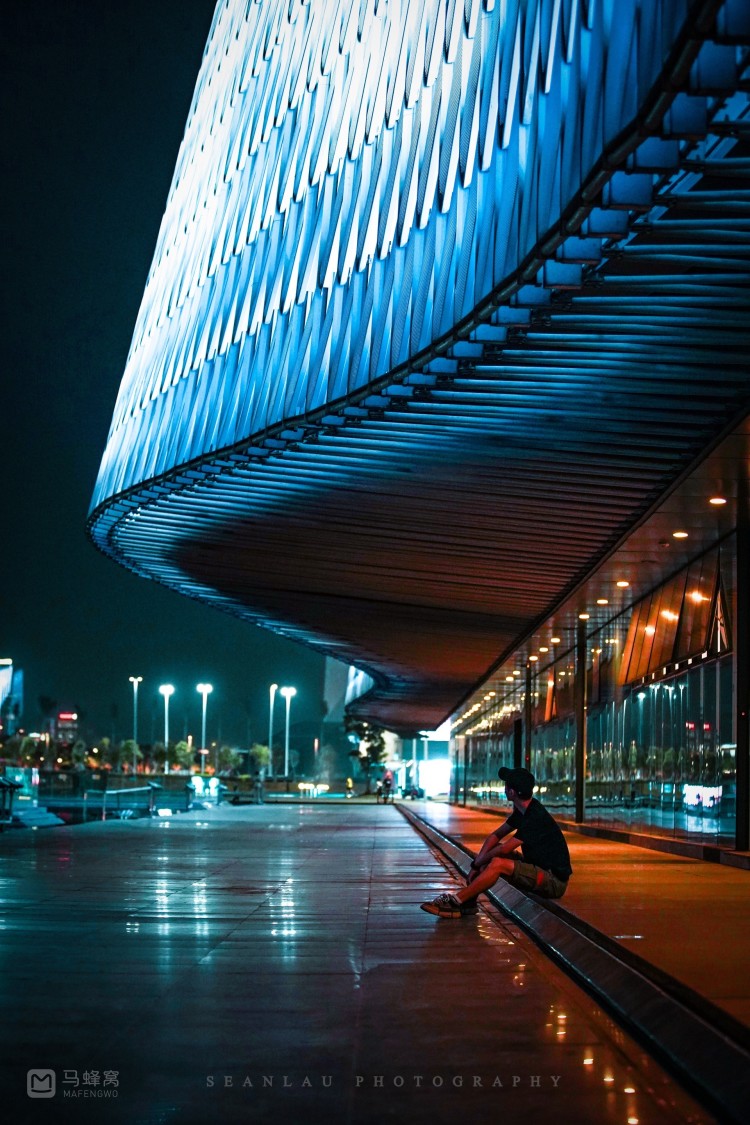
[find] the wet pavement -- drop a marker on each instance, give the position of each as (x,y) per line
(688,917)
(271,963)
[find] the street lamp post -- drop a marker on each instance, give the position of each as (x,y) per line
(166,690)
(273,689)
(135,680)
(205,690)
(287,692)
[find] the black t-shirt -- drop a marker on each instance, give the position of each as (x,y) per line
(543,844)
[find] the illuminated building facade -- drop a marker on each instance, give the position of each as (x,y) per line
(11,697)
(446,301)
(624,701)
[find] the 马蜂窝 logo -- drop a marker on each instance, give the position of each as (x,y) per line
(40,1083)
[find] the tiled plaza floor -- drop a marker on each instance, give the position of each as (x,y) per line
(271,964)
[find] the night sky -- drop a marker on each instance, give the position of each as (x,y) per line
(94,101)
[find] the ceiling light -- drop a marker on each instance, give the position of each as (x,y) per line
(543,648)
(602,601)
(554,640)
(679,535)
(533,658)
(717,500)
(623,584)
(583,616)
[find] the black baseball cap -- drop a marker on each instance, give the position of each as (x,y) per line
(521,780)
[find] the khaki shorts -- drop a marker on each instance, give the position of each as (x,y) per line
(528,877)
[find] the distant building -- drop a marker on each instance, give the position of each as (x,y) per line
(11,697)
(66,726)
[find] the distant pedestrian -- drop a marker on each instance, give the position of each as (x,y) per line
(258,788)
(543,866)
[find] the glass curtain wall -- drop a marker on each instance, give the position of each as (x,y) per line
(660,742)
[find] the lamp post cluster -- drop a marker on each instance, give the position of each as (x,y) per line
(167,691)
(288,693)
(204,690)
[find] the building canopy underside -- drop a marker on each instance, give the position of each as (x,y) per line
(414,472)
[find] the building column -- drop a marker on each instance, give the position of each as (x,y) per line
(465,757)
(742,668)
(580,702)
(527,713)
(517,743)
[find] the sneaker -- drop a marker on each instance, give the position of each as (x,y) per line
(445,906)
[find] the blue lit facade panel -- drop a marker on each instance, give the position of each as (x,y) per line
(356,181)
(445,298)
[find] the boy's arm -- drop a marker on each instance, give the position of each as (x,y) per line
(496,844)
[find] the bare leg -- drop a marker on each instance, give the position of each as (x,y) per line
(486,878)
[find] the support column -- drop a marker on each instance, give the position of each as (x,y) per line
(580,699)
(742,667)
(517,743)
(527,712)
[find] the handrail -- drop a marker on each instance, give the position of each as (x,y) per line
(150,788)
(8,789)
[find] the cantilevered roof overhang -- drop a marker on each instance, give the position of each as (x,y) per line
(420,522)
